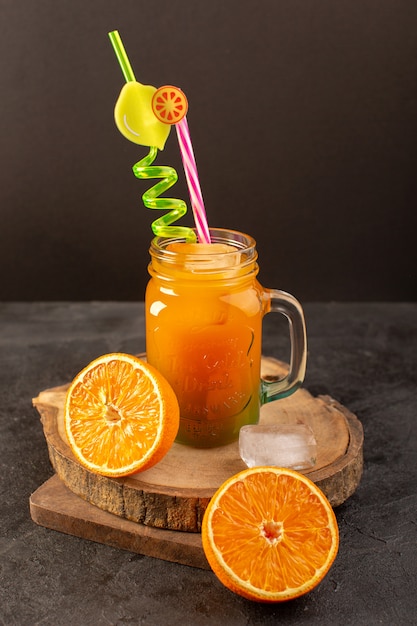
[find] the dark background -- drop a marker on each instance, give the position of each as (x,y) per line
(303,116)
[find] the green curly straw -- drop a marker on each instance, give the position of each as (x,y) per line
(122,57)
(161,227)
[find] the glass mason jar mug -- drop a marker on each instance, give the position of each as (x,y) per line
(204,311)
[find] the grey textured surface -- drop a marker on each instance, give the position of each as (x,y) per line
(364,355)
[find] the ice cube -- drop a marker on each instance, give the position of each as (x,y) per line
(284,445)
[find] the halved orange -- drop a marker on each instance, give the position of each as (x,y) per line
(270,534)
(169,104)
(121,416)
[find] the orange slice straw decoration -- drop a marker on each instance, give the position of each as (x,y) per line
(169,104)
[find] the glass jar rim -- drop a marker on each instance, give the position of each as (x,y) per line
(235,238)
(210,262)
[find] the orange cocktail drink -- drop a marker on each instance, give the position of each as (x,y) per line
(204,310)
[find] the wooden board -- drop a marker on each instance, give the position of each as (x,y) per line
(54,506)
(174,494)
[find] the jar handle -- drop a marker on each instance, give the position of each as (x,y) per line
(273,388)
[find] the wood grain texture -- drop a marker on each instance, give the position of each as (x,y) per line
(55,506)
(174,494)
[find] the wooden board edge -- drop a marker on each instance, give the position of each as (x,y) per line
(152,508)
(56,507)
(349,468)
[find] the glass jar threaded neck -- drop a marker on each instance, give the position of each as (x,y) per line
(230,256)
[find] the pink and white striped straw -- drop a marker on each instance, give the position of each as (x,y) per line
(193,182)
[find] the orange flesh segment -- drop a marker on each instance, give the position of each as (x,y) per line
(121,416)
(270,536)
(283,567)
(121,410)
